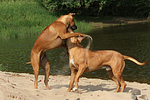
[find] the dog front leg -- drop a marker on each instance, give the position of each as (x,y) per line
(73,74)
(81,70)
(69,35)
(70,30)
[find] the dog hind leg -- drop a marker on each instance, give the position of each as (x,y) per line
(111,75)
(118,75)
(123,84)
(35,65)
(44,63)
(36,72)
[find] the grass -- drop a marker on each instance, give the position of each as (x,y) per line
(22,18)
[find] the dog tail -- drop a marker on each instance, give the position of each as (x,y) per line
(89,42)
(28,63)
(134,60)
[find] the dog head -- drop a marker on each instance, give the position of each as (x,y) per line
(71,24)
(77,40)
(68,20)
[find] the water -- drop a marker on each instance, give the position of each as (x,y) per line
(131,40)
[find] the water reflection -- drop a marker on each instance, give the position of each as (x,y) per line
(131,40)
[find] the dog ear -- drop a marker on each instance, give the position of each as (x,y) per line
(80,38)
(71,14)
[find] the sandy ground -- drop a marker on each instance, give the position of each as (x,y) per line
(19,86)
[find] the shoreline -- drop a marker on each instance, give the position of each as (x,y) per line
(117,21)
(20,86)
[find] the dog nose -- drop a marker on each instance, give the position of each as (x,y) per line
(74,27)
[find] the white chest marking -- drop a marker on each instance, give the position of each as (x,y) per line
(106,67)
(72,62)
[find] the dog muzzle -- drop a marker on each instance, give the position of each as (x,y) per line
(74,27)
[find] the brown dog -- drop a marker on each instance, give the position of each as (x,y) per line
(51,37)
(84,60)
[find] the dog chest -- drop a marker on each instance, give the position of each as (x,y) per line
(72,62)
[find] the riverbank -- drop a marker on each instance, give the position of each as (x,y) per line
(115,21)
(19,86)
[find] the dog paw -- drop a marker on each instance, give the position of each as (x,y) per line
(74,89)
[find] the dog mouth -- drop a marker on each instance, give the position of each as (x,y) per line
(74,27)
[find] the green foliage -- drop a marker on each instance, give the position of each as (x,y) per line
(128,7)
(100,7)
(21,18)
(3,68)
(78,6)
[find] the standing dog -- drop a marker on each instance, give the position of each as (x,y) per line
(51,37)
(84,60)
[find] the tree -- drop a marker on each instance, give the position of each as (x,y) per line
(99,7)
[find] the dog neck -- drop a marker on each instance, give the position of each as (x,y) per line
(64,19)
(71,45)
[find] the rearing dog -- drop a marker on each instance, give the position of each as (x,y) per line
(51,37)
(84,60)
